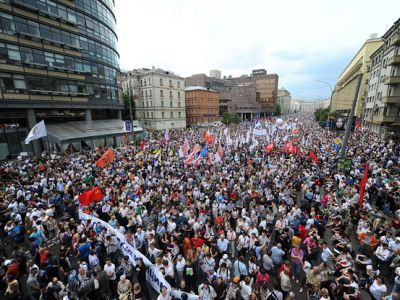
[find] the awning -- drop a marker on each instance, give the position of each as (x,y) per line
(70,132)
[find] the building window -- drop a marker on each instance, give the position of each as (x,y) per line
(172,114)
(150,93)
(170,94)
(179,104)
(162,115)
(145,92)
(161,82)
(170,103)
(149,81)
(179,94)
(161,93)
(141,82)
(179,84)
(179,114)
(170,83)
(145,84)
(151,115)
(162,103)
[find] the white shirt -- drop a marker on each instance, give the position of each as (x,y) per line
(110,269)
(377,291)
(245,290)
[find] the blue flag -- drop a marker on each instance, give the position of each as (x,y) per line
(204,151)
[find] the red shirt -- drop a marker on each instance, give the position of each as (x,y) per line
(13,270)
(302,232)
(197,242)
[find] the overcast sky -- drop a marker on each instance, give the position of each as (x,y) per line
(302,41)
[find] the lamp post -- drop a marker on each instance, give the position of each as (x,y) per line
(330,100)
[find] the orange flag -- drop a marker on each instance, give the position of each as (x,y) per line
(363,183)
(106,158)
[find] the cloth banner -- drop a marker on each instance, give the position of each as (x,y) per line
(153,276)
(259,131)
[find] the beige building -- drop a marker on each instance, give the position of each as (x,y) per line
(343,94)
(160,98)
(382,108)
(284,100)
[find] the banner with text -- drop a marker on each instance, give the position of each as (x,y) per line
(153,276)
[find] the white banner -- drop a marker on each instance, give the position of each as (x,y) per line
(153,276)
(259,131)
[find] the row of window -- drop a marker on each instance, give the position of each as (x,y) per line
(144,82)
(9,52)
(96,8)
(90,26)
(15,83)
(150,114)
(162,104)
(11,25)
(145,94)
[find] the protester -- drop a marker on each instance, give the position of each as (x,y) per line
(256,210)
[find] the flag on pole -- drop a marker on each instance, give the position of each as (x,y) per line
(210,158)
(219,154)
(269,147)
(208,137)
(166,135)
(190,158)
(126,138)
(90,196)
(142,144)
(313,157)
(37,131)
(363,183)
(106,158)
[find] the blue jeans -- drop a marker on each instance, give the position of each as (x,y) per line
(296,270)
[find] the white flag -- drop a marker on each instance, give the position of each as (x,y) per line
(166,135)
(37,131)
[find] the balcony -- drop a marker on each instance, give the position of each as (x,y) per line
(394,61)
(396,40)
(391,99)
(392,80)
(384,119)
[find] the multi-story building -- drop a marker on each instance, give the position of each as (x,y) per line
(266,89)
(58,62)
(160,98)
(343,94)
(308,106)
(237,94)
(382,108)
(202,105)
(284,100)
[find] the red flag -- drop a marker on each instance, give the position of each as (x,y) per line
(90,196)
(126,138)
(208,137)
(142,144)
(106,158)
(269,147)
(219,154)
(313,157)
(362,185)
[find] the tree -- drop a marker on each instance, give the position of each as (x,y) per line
(128,104)
(278,110)
(230,118)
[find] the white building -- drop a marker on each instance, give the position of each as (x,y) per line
(159,98)
(308,106)
(284,100)
(381,113)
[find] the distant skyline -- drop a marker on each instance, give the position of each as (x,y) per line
(301,41)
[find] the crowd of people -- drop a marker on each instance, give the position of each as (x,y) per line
(255,224)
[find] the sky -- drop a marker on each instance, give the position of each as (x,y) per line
(304,42)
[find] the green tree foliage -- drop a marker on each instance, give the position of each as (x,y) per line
(321,115)
(228,118)
(278,110)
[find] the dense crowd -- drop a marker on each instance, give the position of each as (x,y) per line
(257,224)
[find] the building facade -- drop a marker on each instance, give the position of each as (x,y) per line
(202,105)
(160,98)
(284,100)
(250,96)
(382,108)
(343,93)
(58,62)
(266,89)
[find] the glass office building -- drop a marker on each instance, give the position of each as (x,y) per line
(58,62)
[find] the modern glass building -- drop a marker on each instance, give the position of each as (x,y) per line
(58,62)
